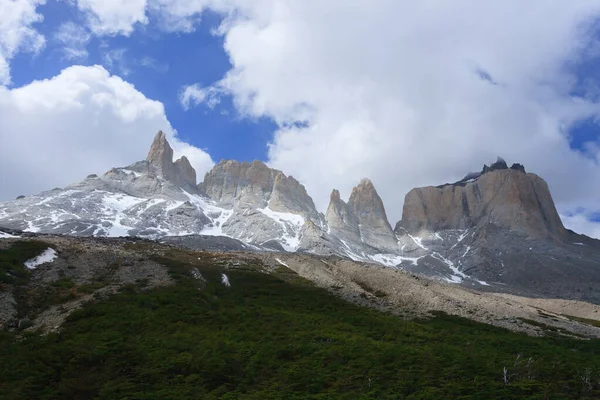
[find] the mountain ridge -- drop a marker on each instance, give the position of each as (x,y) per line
(458,233)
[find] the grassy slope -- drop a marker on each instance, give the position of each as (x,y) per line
(12,268)
(278,337)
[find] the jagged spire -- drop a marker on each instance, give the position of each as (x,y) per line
(161,154)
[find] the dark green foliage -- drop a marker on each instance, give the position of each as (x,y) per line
(64,283)
(269,338)
(12,260)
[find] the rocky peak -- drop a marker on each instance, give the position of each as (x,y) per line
(508,198)
(335,196)
(161,154)
(160,157)
(290,195)
(341,219)
(362,219)
(500,164)
(370,213)
(255,185)
(234,183)
(185,174)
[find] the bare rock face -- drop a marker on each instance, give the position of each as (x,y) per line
(161,155)
(362,219)
(185,174)
(266,204)
(160,159)
(370,213)
(232,183)
(289,195)
(341,218)
(255,185)
(508,198)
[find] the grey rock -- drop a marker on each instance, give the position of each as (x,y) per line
(506,197)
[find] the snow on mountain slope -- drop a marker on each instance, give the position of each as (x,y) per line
(457,239)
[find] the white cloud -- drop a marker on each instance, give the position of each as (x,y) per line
(82,121)
(406,93)
(115,60)
(192,95)
(113,17)
(74,40)
(17,33)
(414,93)
(581,223)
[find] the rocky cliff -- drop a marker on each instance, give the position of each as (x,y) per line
(506,197)
(497,228)
(362,219)
(160,159)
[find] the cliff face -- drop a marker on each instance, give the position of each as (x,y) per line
(508,198)
(253,184)
(160,158)
(362,219)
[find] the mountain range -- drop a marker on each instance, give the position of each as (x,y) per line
(496,230)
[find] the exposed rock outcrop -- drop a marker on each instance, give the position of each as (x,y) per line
(266,204)
(160,155)
(509,198)
(160,158)
(362,219)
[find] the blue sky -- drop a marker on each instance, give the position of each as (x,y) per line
(405,94)
(159,65)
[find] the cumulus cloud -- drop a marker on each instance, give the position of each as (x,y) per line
(112,17)
(17,33)
(406,93)
(193,95)
(82,121)
(415,93)
(74,40)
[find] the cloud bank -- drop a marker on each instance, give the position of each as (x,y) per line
(406,93)
(82,121)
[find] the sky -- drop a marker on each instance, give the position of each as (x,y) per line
(405,93)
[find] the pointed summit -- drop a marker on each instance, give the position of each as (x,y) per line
(335,196)
(180,172)
(370,212)
(362,219)
(161,155)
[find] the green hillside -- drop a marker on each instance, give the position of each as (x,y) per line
(278,337)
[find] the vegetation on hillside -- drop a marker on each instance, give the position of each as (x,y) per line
(278,337)
(12,260)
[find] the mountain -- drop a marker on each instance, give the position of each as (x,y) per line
(497,229)
(500,226)
(508,198)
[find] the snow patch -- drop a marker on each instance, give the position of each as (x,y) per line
(461,237)
(580,244)
(209,209)
(458,274)
(292,225)
(466,251)
(130,172)
(225,280)
(350,253)
(115,205)
(4,235)
(196,274)
(391,260)
(47,255)
(281,262)
(418,241)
